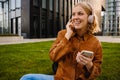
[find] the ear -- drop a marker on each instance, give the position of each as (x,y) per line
(91,19)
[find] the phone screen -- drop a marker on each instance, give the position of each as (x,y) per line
(87,53)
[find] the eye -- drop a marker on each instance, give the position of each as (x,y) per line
(80,13)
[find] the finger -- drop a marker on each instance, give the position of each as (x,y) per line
(81,62)
(71,27)
(79,53)
(77,59)
(86,58)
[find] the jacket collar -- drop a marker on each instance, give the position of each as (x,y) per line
(85,37)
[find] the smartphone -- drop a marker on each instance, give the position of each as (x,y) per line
(87,53)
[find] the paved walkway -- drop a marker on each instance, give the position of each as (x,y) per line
(101,38)
(112,39)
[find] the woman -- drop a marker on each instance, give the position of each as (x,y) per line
(78,36)
(68,48)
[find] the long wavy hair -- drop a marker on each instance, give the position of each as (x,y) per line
(92,27)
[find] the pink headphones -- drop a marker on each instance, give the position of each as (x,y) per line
(91,17)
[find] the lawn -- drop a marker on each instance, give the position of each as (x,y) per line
(19,59)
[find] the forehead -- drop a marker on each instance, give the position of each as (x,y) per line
(78,9)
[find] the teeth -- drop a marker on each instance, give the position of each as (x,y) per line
(77,22)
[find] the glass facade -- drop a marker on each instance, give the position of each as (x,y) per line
(4,17)
(10,14)
(15,15)
(36,19)
(112,20)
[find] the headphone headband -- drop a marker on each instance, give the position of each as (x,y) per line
(91,17)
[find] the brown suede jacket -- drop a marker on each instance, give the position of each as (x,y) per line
(64,52)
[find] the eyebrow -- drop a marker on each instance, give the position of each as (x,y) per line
(78,12)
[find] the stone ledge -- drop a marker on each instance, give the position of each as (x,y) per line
(10,38)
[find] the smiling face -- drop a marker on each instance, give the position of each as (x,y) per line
(79,17)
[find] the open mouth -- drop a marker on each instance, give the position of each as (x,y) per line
(76,21)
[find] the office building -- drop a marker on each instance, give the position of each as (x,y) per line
(37,18)
(111,18)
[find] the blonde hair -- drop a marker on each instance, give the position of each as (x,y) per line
(94,27)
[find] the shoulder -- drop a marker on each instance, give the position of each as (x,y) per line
(93,39)
(96,40)
(62,32)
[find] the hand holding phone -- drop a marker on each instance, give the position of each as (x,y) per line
(87,53)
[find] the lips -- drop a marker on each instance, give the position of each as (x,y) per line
(77,22)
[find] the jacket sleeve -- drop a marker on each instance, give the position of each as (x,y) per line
(60,47)
(97,61)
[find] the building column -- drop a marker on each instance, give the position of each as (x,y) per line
(60,13)
(69,9)
(54,18)
(65,12)
(47,19)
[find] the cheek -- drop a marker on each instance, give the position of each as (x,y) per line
(85,18)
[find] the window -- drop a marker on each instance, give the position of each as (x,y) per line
(3,17)
(118,3)
(19,26)
(18,3)
(118,8)
(44,4)
(35,3)
(51,5)
(57,6)
(12,4)
(14,28)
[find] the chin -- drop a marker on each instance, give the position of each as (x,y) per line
(78,27)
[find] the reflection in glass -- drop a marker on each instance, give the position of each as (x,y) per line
(5,29)
(12,4)
(3,17)
(56,5)
(19,26)
(18,3)
(35,3)
(35,26)
(15,16)
(2,0)
(14,28)
(44,4)
(51,5)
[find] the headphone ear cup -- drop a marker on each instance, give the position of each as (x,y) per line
(91,19)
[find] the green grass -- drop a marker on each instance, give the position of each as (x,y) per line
(111,62)
(19,59)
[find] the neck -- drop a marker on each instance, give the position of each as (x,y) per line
(81,32)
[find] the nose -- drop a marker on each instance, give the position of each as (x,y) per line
(75,17)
